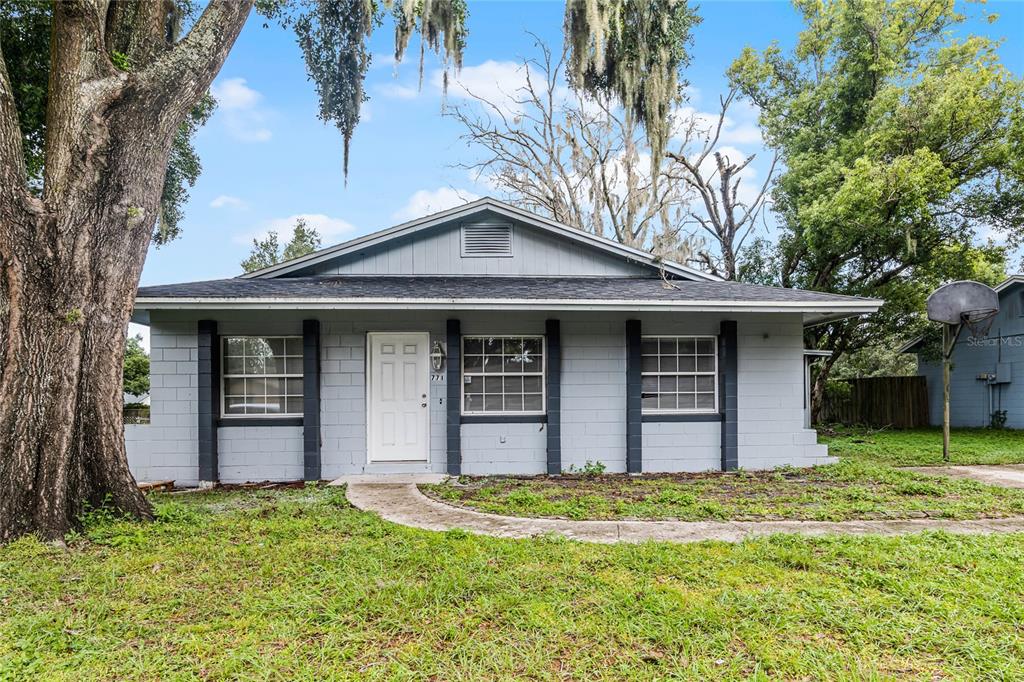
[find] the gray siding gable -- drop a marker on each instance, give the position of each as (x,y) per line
(438,251)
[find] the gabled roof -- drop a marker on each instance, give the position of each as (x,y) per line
(501,293)
(1009,282)
(461,212)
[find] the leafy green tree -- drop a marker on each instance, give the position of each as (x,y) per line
(267,251)
(136,368)
(899,141)
(305,239)
(25,35)
(882,359)
(91,130)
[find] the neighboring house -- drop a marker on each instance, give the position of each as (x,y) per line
(987,373)
(479,340)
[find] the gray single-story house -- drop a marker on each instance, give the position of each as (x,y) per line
(987,373)
(479,340)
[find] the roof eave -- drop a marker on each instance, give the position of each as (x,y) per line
(910,345)
(813,313)
(814,318)
(1009,282)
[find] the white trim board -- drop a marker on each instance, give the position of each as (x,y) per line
(812,313)
(157,302)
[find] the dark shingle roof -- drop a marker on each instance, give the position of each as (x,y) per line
(513,288)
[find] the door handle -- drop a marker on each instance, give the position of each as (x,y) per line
(423,404)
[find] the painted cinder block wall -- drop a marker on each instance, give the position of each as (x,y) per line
(167,447)
(770,399)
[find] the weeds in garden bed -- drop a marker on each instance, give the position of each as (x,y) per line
(836,492)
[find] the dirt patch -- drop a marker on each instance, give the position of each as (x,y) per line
(262,485)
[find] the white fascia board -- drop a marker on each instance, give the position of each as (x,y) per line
(451,214)
(838,308)
(1009,282)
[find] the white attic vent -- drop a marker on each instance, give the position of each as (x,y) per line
(486,240)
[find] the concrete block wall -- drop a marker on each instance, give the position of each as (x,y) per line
(771,429)
(771,395)
(343,408)
(504,449)
(259,453)
(594,393)
(167,447)
(672,447)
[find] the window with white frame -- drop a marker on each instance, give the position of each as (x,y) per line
(503,375)
(261,376)
(679,374)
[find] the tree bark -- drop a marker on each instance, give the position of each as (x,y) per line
(71,261)
(837,343)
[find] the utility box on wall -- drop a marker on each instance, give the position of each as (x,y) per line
(1004,373)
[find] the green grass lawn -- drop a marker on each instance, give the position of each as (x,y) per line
(837,492)
(297,585)
(923,447)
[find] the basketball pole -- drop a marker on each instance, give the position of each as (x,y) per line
(954,306)
(946,356)
(950,334)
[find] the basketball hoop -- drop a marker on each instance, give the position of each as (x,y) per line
(979,322)
(955,306)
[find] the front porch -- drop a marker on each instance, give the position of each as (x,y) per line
(638,392)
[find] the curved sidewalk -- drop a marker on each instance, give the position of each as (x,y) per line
(404,504)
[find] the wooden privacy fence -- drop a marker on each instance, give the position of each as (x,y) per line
(136,415)
(897,402)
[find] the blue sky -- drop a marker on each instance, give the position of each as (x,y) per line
(266,158)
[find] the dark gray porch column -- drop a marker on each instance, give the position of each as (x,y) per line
(553,333)
(208,375)
(311,400)
(727,391)
(634,403)
(454,407)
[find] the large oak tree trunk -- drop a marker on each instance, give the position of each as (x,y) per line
(70,260)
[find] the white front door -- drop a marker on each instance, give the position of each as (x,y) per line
(399,383)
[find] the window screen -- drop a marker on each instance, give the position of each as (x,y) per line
(679,374)
(262,375)
(503,374)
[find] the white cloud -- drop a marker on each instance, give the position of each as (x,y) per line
(331,230)
(738,128)
(233,94)
(244,117)
(424,202)
(499,83)
(396,91)
(228,201)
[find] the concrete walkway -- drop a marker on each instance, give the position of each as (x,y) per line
(403,503)
(1006,475)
